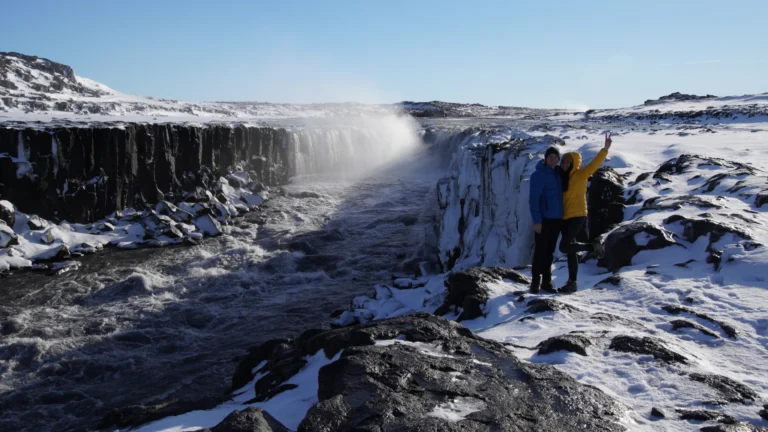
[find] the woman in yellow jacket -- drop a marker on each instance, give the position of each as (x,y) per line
(575,209)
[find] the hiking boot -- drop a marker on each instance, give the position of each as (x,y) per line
(598,249)
(548,286)
(569,287)
(535,282)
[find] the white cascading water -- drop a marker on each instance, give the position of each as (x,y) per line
(356,148)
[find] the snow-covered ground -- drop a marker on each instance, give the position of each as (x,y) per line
(736,294)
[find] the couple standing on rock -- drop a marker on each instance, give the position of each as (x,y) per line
(558,202)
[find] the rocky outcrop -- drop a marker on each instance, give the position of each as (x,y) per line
(483,204)
(407,373)
(428,367)
(467,291)
(84,174)
(626,241)
(605,202)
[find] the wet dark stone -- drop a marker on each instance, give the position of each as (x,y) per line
(467,290)
(605,202)
(764,412)
(249,420)
(680,323)
(568,342)
(393,387)
(646,346)
(243,374)
(655,412)
(729,389)
(620,245)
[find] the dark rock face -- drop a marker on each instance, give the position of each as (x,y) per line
(658,413)
(730,390)
(84,174)
(678,309)
(7,236)
(396,387)
(620,245)
(605,201)
(467,290)
(249,420)
(569,342)
(646,346)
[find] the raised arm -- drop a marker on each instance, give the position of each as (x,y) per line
(592,167)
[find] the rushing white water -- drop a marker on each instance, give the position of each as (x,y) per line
(355,148)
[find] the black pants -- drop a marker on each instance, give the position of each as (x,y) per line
(544,251)
(569,246)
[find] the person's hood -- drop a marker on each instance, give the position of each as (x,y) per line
(576,158)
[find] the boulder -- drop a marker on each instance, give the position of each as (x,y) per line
(249,420)
(36,223)
(695,228)
(605,201)
(136,415)
(727,388)
(408,385)
(208,225)
(467,290)
(655,412)
(569,342)
(646,346)
(621,245)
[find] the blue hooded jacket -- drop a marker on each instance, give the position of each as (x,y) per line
(546,198)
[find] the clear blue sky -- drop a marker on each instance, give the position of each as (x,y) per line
(534,53)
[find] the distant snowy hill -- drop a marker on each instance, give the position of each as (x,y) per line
(38,90)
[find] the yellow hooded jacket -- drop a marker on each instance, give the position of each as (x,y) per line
(575,198)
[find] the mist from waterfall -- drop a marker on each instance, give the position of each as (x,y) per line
(354,148)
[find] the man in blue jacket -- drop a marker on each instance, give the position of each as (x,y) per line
(546,203)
